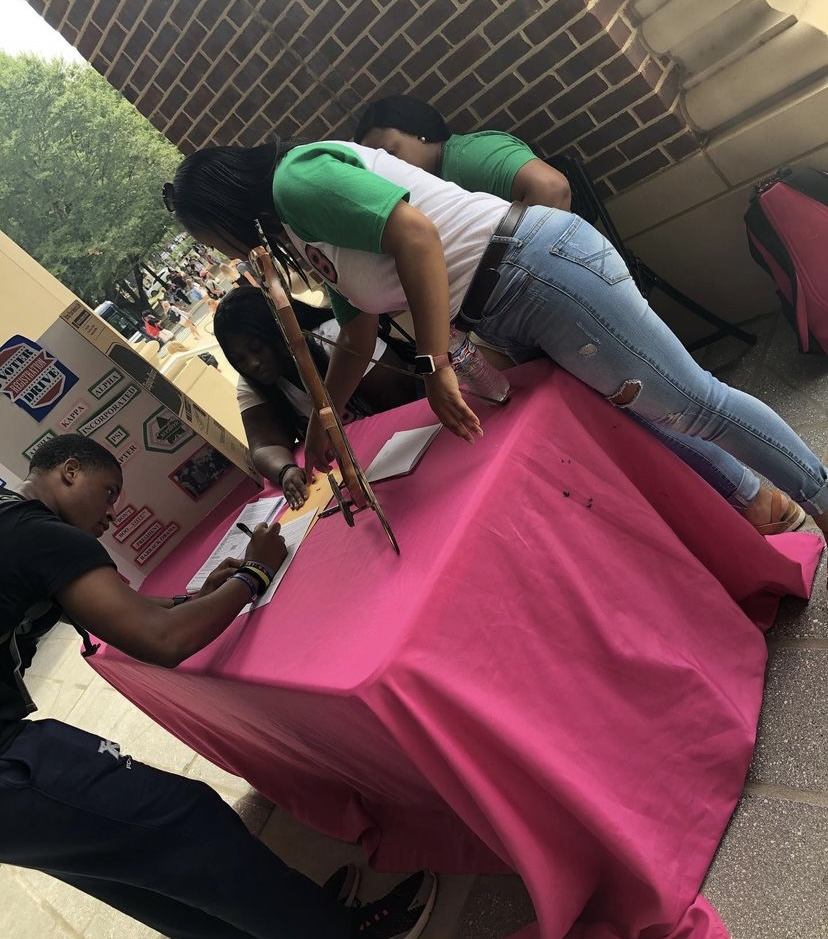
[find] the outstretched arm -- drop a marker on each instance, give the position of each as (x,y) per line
(271,449)
(414,243)
(111,610)
(349,359)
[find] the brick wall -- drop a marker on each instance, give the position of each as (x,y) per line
(561,74)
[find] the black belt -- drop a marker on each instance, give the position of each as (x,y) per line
(487,275)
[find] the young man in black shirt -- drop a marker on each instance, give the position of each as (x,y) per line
(161,848)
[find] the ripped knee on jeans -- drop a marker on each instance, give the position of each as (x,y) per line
(626,394)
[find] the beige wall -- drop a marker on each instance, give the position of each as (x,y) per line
(32,298)
(687,221)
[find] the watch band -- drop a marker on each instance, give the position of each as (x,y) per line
(429,364)
(180,598)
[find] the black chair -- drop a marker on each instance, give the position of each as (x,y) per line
(590,206)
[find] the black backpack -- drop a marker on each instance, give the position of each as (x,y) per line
(787,229)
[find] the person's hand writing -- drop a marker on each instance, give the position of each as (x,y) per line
(295,487)
(445,399)
(318,453)
(218,575)
(266,546)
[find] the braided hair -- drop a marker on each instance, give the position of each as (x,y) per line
(222,191)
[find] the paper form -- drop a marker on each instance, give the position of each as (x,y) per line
(234,543)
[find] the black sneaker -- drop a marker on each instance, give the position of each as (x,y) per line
(343,884)
(400,914)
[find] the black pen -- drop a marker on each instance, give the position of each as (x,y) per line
(243,528)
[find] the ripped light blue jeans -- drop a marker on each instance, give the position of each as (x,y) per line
(566,292)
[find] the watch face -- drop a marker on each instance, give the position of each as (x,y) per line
(423,364)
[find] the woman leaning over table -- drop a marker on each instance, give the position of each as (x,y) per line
(495,162)
(385,235)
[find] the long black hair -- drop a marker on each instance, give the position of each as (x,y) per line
(244,310)
(221,191)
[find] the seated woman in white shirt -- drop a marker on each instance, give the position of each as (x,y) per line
(274,406)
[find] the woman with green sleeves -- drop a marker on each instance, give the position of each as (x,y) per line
(495,162)
(487,161)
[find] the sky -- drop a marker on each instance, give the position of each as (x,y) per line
(23,30)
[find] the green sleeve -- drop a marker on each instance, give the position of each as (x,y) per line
(485,162)
(324,192)
(343,311)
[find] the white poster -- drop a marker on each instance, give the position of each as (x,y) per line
(60,383)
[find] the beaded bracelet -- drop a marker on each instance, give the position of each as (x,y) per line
(261,571)
(284,469)
(251,584)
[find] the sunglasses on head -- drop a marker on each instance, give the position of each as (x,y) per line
(167,194)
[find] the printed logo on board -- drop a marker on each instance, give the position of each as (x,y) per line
(165,433)
(117,436)
(132,526)
(147,535)
(124,515)
(31,377)
(162,539)
(108,411)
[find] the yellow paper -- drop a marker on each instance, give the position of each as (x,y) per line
(320,496)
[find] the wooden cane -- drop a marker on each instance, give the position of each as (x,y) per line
(354,479)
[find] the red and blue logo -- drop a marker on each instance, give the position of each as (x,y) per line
(31,377)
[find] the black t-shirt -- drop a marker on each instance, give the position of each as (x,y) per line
(42,554)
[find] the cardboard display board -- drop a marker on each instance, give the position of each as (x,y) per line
(63,369)
(108,341)
(31,295)
(173,475)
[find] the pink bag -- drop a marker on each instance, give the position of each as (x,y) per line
(787,229)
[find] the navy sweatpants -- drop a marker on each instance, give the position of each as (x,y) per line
(163,849)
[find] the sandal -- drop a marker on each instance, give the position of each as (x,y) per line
(785,515)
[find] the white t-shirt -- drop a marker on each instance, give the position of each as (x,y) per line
(247,397)
(334,200)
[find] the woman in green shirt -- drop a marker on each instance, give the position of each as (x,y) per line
(488,161)
(495,162)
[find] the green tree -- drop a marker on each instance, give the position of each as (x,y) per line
(81,173)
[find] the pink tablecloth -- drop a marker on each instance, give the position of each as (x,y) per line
(560,675)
